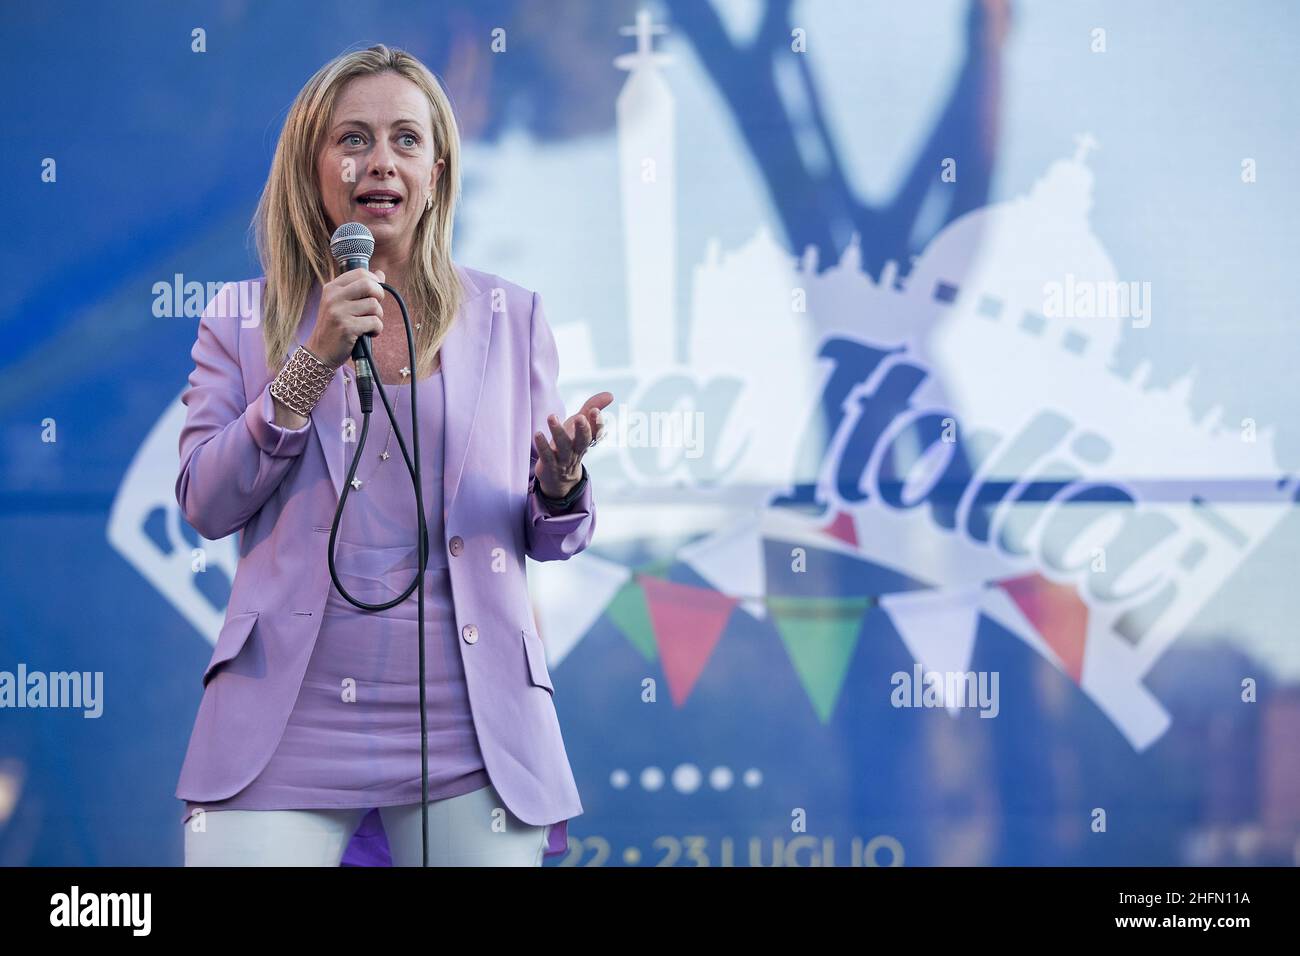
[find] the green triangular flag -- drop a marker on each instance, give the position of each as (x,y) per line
(629,612)
(820,634)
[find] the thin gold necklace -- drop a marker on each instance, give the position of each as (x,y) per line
(357,483)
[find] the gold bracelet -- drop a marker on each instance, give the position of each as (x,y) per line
(302,382)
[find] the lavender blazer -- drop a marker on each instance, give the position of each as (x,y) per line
(239,471)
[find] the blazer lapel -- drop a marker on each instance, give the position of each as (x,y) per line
(464,362)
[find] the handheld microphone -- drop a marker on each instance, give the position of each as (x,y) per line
(352,245)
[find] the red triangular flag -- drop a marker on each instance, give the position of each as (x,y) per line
(843,528)
(1059,615)
(687,623)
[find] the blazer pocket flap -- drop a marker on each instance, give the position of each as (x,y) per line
(536,654)
(231,640)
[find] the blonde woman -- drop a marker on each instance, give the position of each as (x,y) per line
(310,710)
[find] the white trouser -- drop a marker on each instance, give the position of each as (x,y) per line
(473,829)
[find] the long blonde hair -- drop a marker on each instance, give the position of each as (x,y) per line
(292,230)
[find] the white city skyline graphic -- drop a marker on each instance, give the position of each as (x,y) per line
(969,315)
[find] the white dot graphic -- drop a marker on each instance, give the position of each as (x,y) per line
(687,778)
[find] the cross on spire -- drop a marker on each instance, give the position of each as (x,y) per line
(644,29)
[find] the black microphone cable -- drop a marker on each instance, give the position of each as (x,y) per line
(364,385)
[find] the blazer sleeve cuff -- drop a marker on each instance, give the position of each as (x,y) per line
(275,440)
(556,521)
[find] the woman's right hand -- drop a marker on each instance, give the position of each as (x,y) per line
(350,306)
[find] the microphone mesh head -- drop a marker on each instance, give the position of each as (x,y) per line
(351,239)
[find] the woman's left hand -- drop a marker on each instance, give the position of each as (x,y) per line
(559,465)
